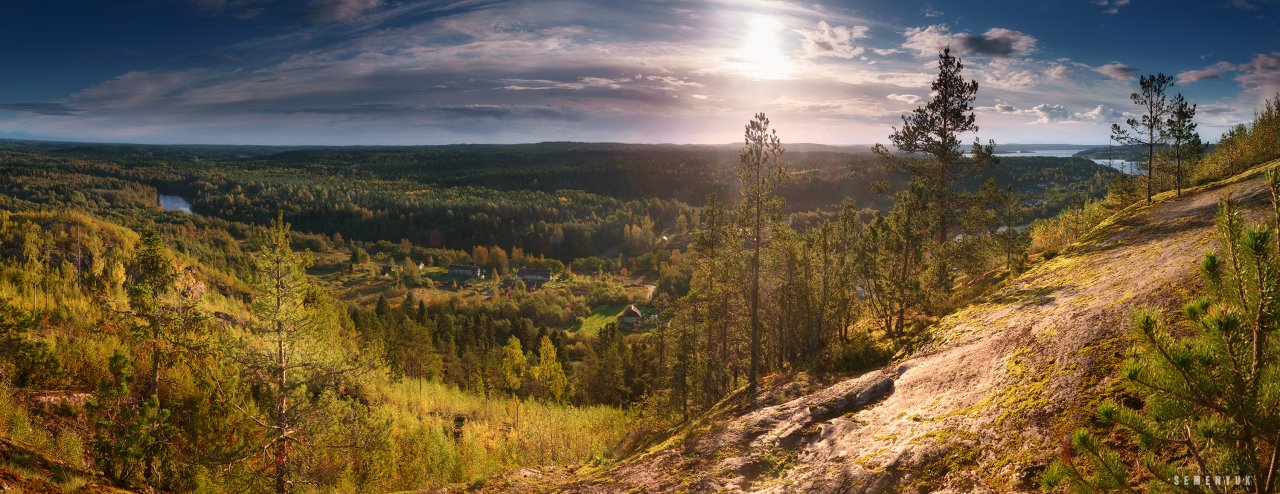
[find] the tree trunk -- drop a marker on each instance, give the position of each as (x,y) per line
(755,275)
(282,452)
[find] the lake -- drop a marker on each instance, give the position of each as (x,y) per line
(174,203)
(1052,153)
(1129,167)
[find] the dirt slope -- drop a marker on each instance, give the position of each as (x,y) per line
(983,408)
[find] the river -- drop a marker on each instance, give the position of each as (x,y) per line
(174,203)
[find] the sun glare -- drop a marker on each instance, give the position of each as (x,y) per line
(760,56)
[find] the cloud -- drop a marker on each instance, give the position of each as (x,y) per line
(1214,71)
(237,9)
(929,11)
(1005,108)
(927,41)
(909,99)
(1111,7)
(1261,74)
(1251,5)
(1116,70)
(1007,73)
(1058,72)
(1044,113)
(1100,113)
(996,42)
(1048,113)
(843,108)
(829,41)
(443,112)
(999,42)
(40,108)
(339,10)
(582,83)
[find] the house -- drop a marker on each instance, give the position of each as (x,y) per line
(468,270)
(534,278)
(631,316)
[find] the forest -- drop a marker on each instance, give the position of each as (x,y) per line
(303,329)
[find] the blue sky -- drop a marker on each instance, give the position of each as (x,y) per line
(433,72)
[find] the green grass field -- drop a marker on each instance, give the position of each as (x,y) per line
(600,316)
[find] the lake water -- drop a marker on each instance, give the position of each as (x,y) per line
(1129,167)
(174,203)
(1052,153)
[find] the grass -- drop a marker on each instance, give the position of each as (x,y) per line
(600,316)
(498,434)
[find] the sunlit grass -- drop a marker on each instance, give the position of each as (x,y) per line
(601,315)
(496,435)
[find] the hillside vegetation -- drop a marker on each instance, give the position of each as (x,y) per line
(984,406)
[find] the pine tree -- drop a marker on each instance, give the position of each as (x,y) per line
(709,295)
(934,130)
(889,259)
(1186,141)
(128,432)
(1150,129)
(1210,399)
(151,281)
(760,173)
(290,354)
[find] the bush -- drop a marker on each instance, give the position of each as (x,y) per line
(860,353)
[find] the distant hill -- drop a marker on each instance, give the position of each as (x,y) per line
(1135,152)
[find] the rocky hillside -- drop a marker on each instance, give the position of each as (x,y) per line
(984,407)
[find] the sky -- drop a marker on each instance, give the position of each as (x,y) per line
(372,72)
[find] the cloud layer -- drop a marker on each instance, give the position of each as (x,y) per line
(373,71)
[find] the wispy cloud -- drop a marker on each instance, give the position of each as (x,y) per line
(337,10)
(1261,74)
(40,108)
(1112,7)
(1117,70)
(832,41)
(1214,71)
(909,99)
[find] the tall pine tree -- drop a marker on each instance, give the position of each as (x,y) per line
(759,173)
(1150,129)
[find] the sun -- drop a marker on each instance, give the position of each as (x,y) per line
(760,56)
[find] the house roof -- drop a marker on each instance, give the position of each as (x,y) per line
(632,311)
